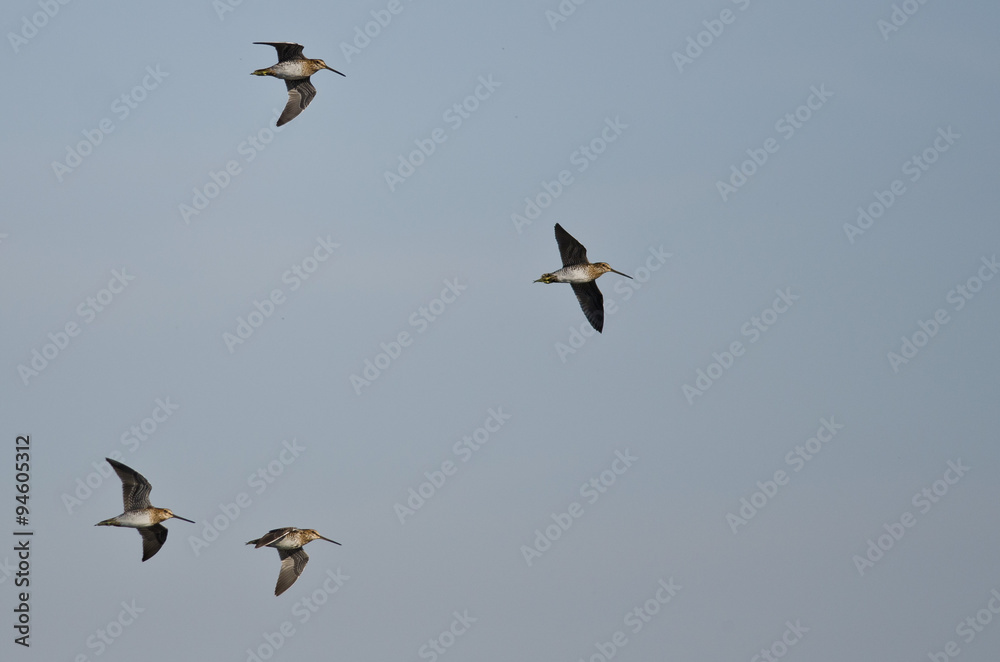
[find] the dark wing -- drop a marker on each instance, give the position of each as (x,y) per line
(300,94)
(293,562)
(135,488)
(592,302)
(286,49)
(153,538)
(571,250)
(272,536)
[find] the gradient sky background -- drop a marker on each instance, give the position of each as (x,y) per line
(501,343)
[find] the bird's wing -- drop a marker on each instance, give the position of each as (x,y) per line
(293,562)
(286,49)
(272,536)
(592,302)
(300,94)
(135,488)
(153,538)
(571,250)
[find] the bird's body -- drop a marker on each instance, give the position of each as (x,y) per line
(289,542)
(580,273)
(575,273)
(139,514)
(295,69)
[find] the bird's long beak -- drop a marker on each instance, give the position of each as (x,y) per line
(328,540)
(185,519)
(345,76)
(620,273)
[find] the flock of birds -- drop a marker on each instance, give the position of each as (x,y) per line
(141,515)
(581,274)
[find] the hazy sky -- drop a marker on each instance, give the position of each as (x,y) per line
(784,440)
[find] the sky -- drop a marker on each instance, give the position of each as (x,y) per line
(782,446)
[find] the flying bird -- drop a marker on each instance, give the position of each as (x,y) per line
(289,541)
(580,274)
(295,70)
(139,514)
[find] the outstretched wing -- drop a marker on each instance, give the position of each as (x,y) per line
(286,49)
(592,302)
(153,538)
(293,562)
(571,250)
(300,95)
(135,488)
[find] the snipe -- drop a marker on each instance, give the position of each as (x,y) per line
(139,514)
(289,541)
(581,274)
(295,69)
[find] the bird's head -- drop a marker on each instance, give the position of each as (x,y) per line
(320,64)
(167,513)
(312,534)
(604,268)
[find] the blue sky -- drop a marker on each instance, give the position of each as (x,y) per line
(783,440)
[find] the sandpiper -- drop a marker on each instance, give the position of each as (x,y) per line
(581,274)
(289,541)
(139,514)
(295,70)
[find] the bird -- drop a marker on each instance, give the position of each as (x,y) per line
(289,541)
(581,275)
(295,70)
(139,514)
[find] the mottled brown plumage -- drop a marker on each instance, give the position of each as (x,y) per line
(139,514)
(581,274)
(295,70)
(289,541)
